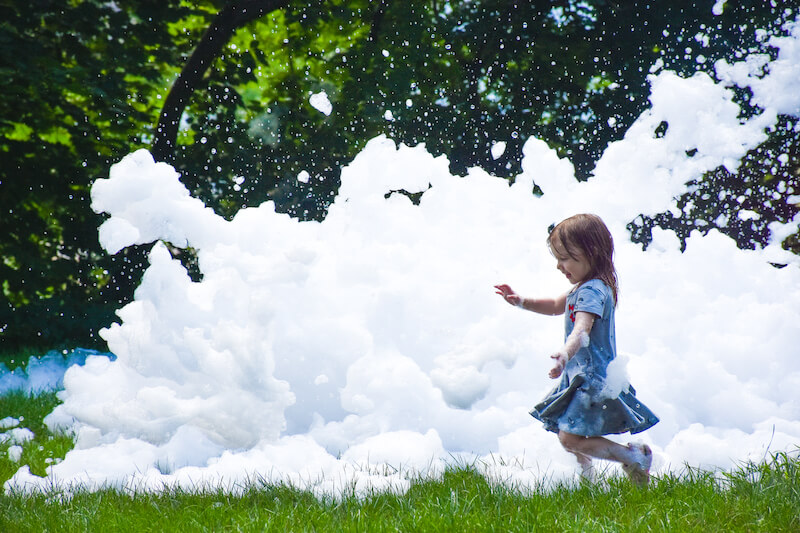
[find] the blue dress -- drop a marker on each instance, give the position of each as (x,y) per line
(581,403)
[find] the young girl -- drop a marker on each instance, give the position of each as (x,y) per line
(578,409)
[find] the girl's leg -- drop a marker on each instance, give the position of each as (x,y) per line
(635,459)
(584,461)
(587,468)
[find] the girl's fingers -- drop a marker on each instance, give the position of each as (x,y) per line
(505,291)
(561,363)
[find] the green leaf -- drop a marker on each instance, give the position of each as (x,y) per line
(57,135)
(17,131)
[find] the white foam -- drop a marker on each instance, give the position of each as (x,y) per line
(498,149)
(43,373)
(354,351)
(321,103)
(14,453)
(16,436)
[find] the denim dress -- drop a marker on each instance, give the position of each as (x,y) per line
(581,403)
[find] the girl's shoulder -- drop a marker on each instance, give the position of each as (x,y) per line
(596,284)
(594,289)
(593,284)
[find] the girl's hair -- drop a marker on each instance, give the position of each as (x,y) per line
(589,234)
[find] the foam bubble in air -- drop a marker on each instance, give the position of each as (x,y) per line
(351,352)
(498,149)
(321,103)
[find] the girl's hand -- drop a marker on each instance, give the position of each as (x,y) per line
(560,359)
(509,295)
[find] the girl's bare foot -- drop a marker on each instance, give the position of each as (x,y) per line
(638,469)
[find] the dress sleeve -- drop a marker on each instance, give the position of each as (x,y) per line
(590,299)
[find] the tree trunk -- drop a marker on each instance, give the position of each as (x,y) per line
(233,16)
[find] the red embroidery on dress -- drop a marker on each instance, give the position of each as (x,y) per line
(571,312)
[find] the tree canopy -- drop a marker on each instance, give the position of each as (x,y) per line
(221,90)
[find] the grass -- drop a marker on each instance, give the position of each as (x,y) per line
(46,447)
(462,500)
(754,497)
(14,359)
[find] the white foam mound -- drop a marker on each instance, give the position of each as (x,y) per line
(358,351)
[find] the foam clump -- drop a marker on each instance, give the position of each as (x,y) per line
(16,435)
(45,373)
(321,103)
(353,352)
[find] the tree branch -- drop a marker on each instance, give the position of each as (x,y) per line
(233,16)
(377,20)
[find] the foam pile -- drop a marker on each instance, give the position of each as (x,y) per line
(356,352)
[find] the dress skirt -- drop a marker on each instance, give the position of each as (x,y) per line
(581,405)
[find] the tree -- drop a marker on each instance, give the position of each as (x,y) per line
(233,16)
(221,90)
(458,77)
(80,82)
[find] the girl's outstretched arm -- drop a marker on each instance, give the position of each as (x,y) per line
(545,306)
(578,339)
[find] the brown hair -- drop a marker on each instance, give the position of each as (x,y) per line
(589,234)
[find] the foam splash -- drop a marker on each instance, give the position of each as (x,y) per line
(349,353)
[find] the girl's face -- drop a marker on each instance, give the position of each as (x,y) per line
(576,269)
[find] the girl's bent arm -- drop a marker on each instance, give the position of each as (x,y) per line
(577,339)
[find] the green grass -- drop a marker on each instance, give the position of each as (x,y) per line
(755,497)
(45,448)
(462,500)
(14,359)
